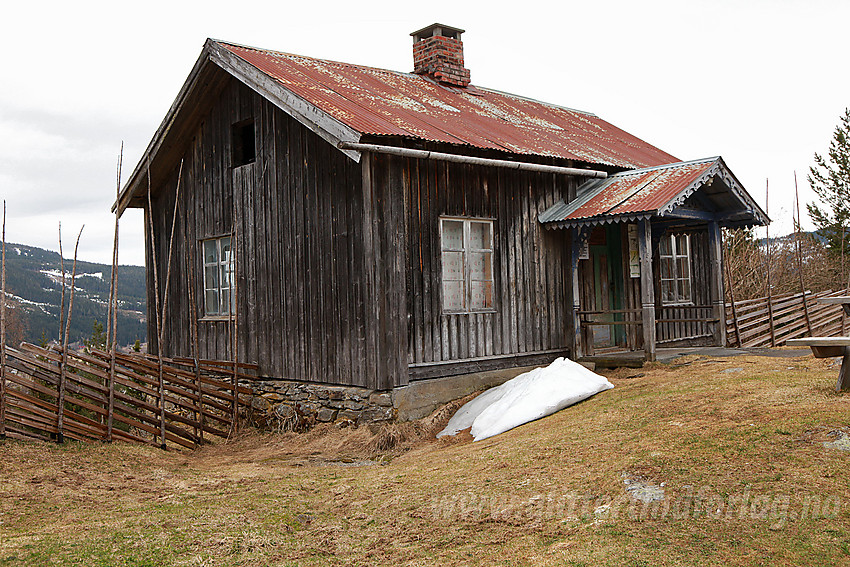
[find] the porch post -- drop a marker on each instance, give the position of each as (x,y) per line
(647,289)
(716,289)
(575,251)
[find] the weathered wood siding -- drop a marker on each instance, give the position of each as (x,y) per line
(306,280)
(530,263)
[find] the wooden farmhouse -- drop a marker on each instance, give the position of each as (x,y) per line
(361,227)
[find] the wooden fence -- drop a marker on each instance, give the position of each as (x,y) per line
(47,396)
(750,324)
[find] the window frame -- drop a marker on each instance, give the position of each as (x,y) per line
(230,264)
(466,250)
(674,256)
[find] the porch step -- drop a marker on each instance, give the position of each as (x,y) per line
(615,360)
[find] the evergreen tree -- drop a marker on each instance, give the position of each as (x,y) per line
(830,180)
(97,339)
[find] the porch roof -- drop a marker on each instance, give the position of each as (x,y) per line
(700,190)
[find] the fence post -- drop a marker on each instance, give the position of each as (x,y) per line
(60,401)
(3,336)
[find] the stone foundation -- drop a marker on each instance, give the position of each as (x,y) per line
(287,405)
(284,405)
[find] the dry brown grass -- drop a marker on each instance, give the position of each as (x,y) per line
(398,496)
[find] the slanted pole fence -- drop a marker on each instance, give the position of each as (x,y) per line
(129,387)
(58,393)
(771,320)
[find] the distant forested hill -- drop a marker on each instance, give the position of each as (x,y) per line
(34,290)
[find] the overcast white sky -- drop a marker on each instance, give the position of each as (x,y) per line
(761,83)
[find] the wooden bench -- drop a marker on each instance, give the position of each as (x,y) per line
(828,347)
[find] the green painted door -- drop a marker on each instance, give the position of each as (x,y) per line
(607,260)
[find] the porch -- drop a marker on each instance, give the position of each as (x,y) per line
(641,286)
(646,258)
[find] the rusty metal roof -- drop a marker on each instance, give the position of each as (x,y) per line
(378,102)
(658,191)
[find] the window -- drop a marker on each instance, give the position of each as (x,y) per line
(218,277)
(467,258)
(675,253)
(243,149)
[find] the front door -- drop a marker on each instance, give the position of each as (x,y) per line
(607,286)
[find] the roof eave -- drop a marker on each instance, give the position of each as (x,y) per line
(131,186)
(327,127)
(558,216)
(719,168)
(320,122)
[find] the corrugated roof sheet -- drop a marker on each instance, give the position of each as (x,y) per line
(647,192)
(388,103)
(639,191)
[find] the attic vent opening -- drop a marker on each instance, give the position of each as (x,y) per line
(243,147)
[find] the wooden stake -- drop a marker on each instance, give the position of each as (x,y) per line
(62,268)
(193,314)
(734,311)
(62,365)
(767,271)
(161,381)
(113,310)
(800,257)
(234,303)
(3,335)
(170,249)
(161,326)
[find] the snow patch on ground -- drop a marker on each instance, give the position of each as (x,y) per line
(56,275)
(21,300)
(642,490)
(98,275)
(842,442)
(529,396)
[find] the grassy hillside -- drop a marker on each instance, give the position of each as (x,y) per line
(33,279)
(745,453)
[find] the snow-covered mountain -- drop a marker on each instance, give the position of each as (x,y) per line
(34,287)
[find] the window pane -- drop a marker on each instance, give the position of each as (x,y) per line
(452,265)
(684,290)
(666,267)
(452,235)
(225,302)
(453,296)
(664,246)
(211,277)
(225,275)
(225,249)
(667,292)
(210,252)
(211,302)
(482,295)
(479,235)
(682,267)
(682,248)
(481,266)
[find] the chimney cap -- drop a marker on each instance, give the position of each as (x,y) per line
(437,29)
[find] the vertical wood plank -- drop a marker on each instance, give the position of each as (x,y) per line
(716,284)
(647,288)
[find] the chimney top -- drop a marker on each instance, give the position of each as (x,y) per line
(437,29)
(438,53)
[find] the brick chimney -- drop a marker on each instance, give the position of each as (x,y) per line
(438,53)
